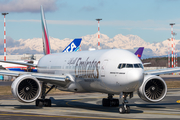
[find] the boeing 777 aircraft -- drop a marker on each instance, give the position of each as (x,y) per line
(110,71)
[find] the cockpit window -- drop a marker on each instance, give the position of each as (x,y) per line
(136,66)
(129,66)
(140,65)
(124,65)
(119,66)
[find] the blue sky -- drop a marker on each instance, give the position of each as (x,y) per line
(149,19)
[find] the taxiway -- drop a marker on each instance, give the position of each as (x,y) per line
(89,106)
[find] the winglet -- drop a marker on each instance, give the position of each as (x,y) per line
(45,37)
(139,52)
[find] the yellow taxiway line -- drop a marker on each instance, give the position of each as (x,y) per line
(50,116)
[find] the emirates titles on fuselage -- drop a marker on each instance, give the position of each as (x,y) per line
(100,67)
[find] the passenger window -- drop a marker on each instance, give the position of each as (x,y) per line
(129,66)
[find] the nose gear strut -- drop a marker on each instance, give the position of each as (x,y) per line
(125,108)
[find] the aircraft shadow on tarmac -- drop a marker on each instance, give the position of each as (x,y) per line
(96,106)
(82,103)
(155,105)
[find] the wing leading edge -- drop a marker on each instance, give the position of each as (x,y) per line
(162,71)
(61,80)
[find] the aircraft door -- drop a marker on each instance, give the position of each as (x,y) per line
(103,68)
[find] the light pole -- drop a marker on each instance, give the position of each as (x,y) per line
(169,52)
(172,41)
(5,35)
(98,34)
(174,49)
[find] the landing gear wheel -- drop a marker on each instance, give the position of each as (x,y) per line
(44,102)
(110,101)
(122,110)
(127,109)
(47,103)
(114,102)
(106,102)
(39,103)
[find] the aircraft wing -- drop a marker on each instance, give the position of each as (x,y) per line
(146,63)
(61,80)
(162,71)
(19,63)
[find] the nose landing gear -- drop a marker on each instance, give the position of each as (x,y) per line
(125,108)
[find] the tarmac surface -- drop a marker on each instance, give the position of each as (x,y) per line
(88,106)
(170,77)
(5,83)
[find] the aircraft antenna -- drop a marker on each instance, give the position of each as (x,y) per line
(5,35)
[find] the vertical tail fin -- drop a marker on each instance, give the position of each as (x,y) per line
(139,52)
(73,46)
(45,37)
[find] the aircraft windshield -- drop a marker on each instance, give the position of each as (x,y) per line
(124,65)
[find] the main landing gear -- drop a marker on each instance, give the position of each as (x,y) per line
(44,102)
(110,101)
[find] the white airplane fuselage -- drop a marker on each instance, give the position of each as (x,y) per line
(96,71)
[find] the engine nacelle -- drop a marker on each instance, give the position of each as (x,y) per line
(26,88)
(153,89)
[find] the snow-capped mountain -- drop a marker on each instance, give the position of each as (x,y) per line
(130,42)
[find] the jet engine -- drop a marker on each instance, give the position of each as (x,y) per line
(153,89)
(26,88)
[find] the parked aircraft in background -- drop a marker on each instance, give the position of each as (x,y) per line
(139,52)
(72,47)
(111,71)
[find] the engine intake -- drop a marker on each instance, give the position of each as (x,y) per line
(26,88)
(153,89)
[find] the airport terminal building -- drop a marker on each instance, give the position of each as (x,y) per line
(21,57)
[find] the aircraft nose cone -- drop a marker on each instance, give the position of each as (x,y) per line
(136,76)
